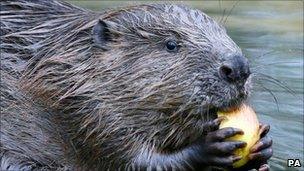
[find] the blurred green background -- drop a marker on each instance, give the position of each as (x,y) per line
(270,34)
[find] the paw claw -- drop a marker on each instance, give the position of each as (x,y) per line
(263,143)
(236,158)
(264,129)
(256,147)
(264,167)
(262,155)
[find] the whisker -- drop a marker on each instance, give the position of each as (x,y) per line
(208,113)
(222,19)
(273,63)
(272,94)
(256,59)
(220,7)
(234,5)
(276,82)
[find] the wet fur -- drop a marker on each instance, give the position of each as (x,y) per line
(69,103)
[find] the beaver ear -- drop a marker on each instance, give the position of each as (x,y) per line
(101,34)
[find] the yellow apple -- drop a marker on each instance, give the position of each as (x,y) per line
(243,118)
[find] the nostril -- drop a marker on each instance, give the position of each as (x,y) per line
(235,69)
(226,72)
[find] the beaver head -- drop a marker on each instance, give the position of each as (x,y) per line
(140,78)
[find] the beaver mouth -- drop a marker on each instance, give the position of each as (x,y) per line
(226,106)
(209,111)
(231,105)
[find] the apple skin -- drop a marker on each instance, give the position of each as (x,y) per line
(246,119)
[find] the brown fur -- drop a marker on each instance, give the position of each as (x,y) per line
(74,105)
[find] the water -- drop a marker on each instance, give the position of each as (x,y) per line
(271,36)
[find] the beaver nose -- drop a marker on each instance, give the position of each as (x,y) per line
(236,69)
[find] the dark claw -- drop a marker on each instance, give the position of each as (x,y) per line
(261,155)
(236,158)
(224,148)
(264,129)
(261,144)
(213,125)
(224,133)
(264,167)
(225,161)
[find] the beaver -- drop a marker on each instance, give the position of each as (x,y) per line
(131,88)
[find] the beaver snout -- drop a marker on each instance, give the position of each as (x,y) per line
(235,69)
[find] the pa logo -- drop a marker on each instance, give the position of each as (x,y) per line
(293,163)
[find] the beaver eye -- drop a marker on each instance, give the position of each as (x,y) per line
(171,46)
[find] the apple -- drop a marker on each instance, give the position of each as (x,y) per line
(246,119)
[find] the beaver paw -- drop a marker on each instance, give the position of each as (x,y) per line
(215,150)
(260,152)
